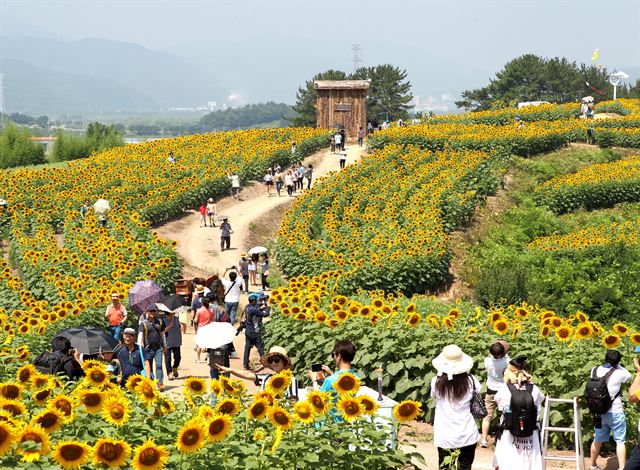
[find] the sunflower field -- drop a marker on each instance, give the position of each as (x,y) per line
(63,267)
(402,334)
(216,424)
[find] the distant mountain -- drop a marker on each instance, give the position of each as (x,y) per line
(161,79)
(32,90)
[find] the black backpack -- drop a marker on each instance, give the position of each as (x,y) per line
(51,363)
(522,418)
(596,393)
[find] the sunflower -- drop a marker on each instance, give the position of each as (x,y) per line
(279,382)
(521,312)
(454,313)
(349,407)
(347,383)
(71,454)
(258,409)
(39,381)
(228,406)
(280,418)
(410,308)
(147,391)
(407,410)
(195,386)
(218,427)
(63,404)
(149,456)
(303,412)
(15,407)
(621,329)
(412,319)
(112,453)
(611,341)
(556,322)
(564,333)
(266,396)
(320,401)
(116,410)
(7,437)
(501,326)
(166,406)
(97,376)
(92,400)
(36,440)
(582,318)
(368,405)
(635,339)
(50,420)
(133,381)
(191,437)
(206,412)
(545,331)
(448,322)
(216,387)
(25,373)
(495,316)
(583,331)
(10,390)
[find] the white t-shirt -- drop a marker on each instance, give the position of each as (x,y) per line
(495,371)
(234,292)
(338,138)
(620,376)
(454,426)
(235,181)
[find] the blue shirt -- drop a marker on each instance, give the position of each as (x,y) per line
(254,317)
(131,363)
(327,386)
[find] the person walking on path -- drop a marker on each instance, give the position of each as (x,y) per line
(343,159)
(235,185)
(495,365)
(264,271)
(253,269)
(360,137)
(613,421)
(225,234)
(117,316)
(288,181)
(203,316)
(332,144)
(173,339)
(133,358)
(268,181)
(278,179)
(338,139)
(253,329)
(634,397)
(309,175)
(243,269)
(294,178)
(151,338)
(211,213)
(518,445)
(233,287)
(203,215)
(301,171)
(454,426)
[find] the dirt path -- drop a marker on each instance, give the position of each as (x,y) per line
(199,249)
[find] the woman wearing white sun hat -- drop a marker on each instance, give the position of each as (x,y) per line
(454,426)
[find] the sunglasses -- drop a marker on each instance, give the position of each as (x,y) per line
(273,360)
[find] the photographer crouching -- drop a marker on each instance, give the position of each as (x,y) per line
(254,313)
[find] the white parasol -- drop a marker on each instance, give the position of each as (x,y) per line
(215,335)
(101,206)
(588,99)
(256,250)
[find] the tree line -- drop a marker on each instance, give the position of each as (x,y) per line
(533,78)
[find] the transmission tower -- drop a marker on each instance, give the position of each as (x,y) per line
(356,48)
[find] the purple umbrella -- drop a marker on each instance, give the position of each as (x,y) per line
(143,294)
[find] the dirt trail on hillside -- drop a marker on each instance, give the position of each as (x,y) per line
(199,248)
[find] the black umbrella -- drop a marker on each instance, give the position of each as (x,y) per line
(171,302)
(89,340)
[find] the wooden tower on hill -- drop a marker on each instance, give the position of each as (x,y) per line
(342,103)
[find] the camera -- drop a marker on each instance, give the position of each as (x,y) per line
(242,326)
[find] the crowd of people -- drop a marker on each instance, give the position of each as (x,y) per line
(292,180)
(511,390)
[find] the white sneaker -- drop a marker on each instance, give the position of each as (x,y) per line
(484,444)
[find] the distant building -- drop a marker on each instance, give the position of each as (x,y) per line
(342,103)
(47,142)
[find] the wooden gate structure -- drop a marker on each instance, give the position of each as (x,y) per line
(342,103)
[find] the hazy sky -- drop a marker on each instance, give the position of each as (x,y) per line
(428,38)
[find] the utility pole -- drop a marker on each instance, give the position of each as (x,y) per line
(356,48)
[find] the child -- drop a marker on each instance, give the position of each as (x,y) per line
(203,215)
(495,365)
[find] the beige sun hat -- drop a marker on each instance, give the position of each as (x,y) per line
(277,351)
(452,361)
